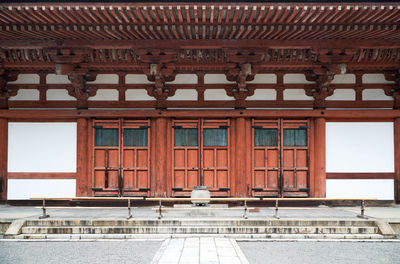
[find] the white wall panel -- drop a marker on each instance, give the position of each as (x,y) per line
(296,94)
(342,95)
(375,95)
(374,78)
(138,95)
(26,95)
(105,79)
(136,79)
(105,95)
(57,79)
(216,79)
(263,94)
(295,78)
(216,95)
(359,147)
(344,78)
(376,188)
(42,147)
(264,78)
(27,79)
(185,79)
(19,189)
(59,95)
(184,94)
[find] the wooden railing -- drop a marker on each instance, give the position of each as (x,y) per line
(161,200)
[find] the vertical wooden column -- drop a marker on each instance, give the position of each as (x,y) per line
(82,158)
(319,158)
(3,157)
(397,160)
(159,158)
(240,158)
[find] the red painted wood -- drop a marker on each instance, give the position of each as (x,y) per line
(47,175)
(82,158)
(240,158)
(319,158)
(351,175)
(3,157)
(159,158)
(397,159)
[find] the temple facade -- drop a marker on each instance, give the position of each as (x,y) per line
(152,99)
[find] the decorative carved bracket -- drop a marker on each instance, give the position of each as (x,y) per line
(5,91)
(328,64)
(393,91)
(68,60)
(246,67)
(159,71)
(79,89)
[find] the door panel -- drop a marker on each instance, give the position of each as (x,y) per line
(121,158)
(280,158)
(200,156)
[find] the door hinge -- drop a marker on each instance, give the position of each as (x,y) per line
(224,189)
(142,127)
(177,189)
(257,189)
(224,126)
(144,189)
(97,189)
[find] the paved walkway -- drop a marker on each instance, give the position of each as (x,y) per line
(200,250)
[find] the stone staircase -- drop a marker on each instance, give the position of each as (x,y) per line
(166,228)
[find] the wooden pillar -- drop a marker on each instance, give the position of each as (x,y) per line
(3,157)
(319,158)
(240,158)
(159,158)
(397,160)
(82,158)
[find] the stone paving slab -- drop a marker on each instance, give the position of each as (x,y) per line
(200,250)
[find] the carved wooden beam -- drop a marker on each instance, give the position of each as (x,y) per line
(393,91)
(79,88)
(5,91)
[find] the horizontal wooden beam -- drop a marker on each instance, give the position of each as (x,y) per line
(40,175)
(197,44)
(359,175)
(15,115)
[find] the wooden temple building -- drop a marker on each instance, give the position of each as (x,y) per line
(251,99)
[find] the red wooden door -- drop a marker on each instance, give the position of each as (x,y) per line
(280,158)
(200,156)
(121,158)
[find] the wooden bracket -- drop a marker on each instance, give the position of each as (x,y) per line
(393,91)
(79,89)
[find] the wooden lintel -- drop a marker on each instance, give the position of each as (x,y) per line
(197,44)
(268,113)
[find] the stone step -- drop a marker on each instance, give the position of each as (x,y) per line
(199,222)
(199,230)
(242,237)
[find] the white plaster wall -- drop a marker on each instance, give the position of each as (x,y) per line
(295,78)
(263,94)
(375,95)
(359,147)
(184,94)
(185,79)
(344,78)
(296,94)
(216,79)
(105,95)
(374,78)
(105,79)
(26,95)
(136,79)
(264,78)
(27,79)
(57,79)
(216,95)
(382,189)
(342,95)
(59,95)
(19,189)
(138,95)
(42,147)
